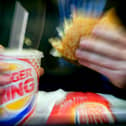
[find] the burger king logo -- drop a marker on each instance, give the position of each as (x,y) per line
(82,108)
(18,97)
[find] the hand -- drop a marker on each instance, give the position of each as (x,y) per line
(41,72)
(106,54)
(3,79)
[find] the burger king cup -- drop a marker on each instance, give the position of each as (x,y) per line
(19,94)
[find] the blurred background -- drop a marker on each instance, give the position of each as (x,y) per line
(44,17)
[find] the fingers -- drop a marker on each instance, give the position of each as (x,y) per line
(1,47)
(5,79)
(4,67)
(102,47)
(97,68)
(112,36)
(116,77)
(106,54)
(100,60)
(41,71)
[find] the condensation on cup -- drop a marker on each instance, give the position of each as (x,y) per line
(18,98)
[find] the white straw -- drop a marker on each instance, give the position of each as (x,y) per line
(18,27)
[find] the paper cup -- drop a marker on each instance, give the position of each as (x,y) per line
(18,97)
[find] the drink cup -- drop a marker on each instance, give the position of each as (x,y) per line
(18,95)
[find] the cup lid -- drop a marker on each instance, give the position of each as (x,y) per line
(22,53)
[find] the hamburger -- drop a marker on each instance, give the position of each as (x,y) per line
(77,27)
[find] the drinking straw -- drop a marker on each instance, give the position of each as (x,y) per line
(18,27)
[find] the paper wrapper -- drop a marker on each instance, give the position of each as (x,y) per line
(60,107)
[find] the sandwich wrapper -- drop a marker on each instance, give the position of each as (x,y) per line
(61,107)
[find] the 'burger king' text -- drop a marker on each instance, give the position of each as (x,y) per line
(22,83)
